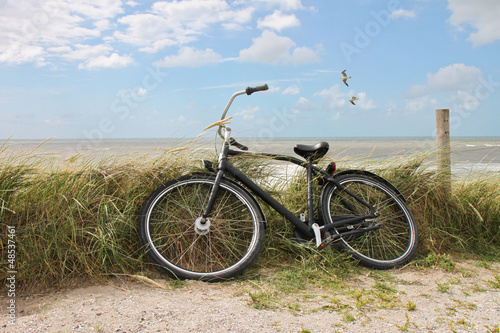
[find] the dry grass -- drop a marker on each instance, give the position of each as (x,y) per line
(77,220)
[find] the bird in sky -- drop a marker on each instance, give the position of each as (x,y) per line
(345,77)
(353,99)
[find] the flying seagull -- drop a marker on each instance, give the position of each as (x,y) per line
(353,99)
(345,77)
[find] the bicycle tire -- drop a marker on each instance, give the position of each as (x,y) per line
(179,245)
(394,244)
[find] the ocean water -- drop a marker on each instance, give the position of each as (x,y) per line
(475,154)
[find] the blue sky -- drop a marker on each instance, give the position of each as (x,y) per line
(94,69)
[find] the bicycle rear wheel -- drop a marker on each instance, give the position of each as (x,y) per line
(184,246)
(394,244)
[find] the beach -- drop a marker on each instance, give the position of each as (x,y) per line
(468,155)
(412,298)
(416,300)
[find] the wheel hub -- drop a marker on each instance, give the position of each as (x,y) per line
(202,226)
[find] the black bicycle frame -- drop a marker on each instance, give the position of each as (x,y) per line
(305,228)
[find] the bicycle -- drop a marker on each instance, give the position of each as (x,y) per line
(207,226)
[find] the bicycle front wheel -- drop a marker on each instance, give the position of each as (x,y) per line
(394,244)
(185,246)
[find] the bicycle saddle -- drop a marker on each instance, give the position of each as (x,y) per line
(312,153)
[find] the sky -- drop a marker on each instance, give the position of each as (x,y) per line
(99,69)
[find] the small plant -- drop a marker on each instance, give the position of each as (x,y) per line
(294,307)
(410,306)
(348,318)
(362,298)
(384,287)
(495,329)
(496,282)
(466,273)
(462,325)
(336,306)
(439,260)
(263,300)
(465,305)
(406,325)
(483,264)
(443,287)
(477,288)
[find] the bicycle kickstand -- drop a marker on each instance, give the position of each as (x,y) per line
(317,236)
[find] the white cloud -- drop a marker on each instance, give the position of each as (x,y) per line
(278,21)
(335,116)
(88,32)
(141,91)
(302,55)
(113,61)
(190,57)
(83,52)
(292,90)
(150,31)
(424,103)
(456,84)
(138,92)
(466,99)
(18,53)
(481,15)
(304,105)
(38,31)
(271,48)
(248,113)
(42,31)
(178,23)
(403,13)
(284,4)
(364,102)
(333,97)
(450,78)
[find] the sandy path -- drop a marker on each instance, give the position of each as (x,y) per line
(463,301)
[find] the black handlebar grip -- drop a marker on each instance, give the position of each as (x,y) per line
(251,90)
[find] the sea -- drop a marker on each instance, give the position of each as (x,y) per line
(469,155)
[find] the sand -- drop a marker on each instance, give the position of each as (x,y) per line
(465,300)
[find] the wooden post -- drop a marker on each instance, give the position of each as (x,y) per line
(443,147)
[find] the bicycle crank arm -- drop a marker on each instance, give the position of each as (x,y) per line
(346,234)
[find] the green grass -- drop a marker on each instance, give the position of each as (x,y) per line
(76,220)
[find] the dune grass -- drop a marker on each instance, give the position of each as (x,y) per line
(77,220)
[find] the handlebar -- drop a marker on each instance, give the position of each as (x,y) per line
(248,91)
(251,90)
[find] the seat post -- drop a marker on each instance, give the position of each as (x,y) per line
(310,199)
